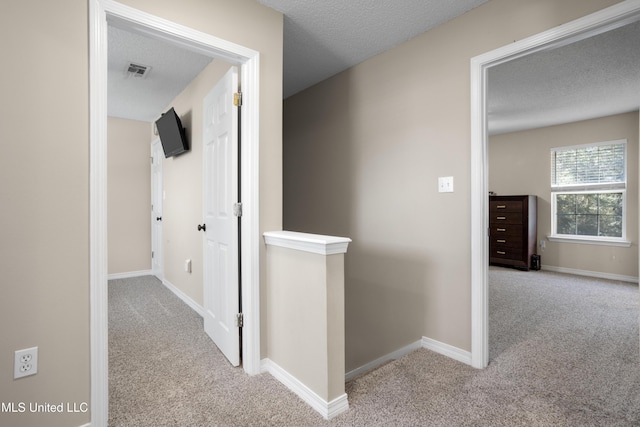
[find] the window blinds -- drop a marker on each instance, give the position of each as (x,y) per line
(599,166)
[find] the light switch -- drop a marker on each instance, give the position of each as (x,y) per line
(445,184)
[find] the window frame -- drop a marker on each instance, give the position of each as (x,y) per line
(596,188)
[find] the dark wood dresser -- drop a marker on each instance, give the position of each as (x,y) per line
(512,230)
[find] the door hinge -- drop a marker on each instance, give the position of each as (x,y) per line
(237,99)
(237,209)
(239,320)
(152,254)
(151,159)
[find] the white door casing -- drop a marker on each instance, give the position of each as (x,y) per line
(117,14)
(606,19)
(157,257)
(220,193)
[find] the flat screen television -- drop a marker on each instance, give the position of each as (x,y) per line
(172,134)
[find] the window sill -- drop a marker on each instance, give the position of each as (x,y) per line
(589,241)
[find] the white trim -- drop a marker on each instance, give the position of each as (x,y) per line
(622,141)
(85,425)
(366,368)
(120,15)
(129,274)
(454,353)
(327,409)
(427,343)
(184,297)
(612,17)
(589,240)
(314,243)
(588,273)
(264,365)
(98,265)
(250,220)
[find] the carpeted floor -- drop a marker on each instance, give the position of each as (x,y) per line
(564,352)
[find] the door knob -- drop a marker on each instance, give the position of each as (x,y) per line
(202,227)
(158,218)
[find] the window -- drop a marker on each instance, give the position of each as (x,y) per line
(588,192)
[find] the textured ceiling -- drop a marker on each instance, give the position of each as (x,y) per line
(144,98)
(322,38)
(591,78)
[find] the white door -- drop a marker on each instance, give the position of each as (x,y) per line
(157,263)
(220,186)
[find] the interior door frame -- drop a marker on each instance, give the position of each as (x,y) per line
(103,13)
(607,19)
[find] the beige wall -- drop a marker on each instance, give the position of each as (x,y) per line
(306,318)
(44,168)
(363,153)
(129,195)
(44,219)
(182,206)
(519,164)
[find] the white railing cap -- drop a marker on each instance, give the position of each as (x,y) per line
(315,243)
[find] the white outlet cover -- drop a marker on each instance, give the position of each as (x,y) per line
(25,362)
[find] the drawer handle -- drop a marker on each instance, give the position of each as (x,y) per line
(501,217)
(501,207)
(501,252)
(501,241)
(501,229)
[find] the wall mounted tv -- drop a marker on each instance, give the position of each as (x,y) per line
(172,134)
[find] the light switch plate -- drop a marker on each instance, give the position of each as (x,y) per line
(445,184)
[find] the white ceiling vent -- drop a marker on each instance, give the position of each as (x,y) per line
(137,70)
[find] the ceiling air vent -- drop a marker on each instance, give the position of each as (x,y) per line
(137,70)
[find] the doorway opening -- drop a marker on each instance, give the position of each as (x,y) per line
(613,17)
(103,13)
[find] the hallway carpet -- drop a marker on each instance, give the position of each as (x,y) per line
(564,352)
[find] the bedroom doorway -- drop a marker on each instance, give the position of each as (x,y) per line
(613,17)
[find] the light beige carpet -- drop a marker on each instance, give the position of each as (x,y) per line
(564,352)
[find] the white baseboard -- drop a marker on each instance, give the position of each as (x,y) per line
(264,365)
(185,298)
(596,274)
(130,274)
(327,409)
(382,360)
(447,350)
(428,343)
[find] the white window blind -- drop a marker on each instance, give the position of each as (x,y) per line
(593,166)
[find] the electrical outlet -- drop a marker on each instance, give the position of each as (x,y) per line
(25,362)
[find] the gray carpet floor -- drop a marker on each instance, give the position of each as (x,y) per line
(564,352)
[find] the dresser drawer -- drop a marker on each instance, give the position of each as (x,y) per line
(497,206)
(505,253)
(505,218)
(506,231)
(505,243)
